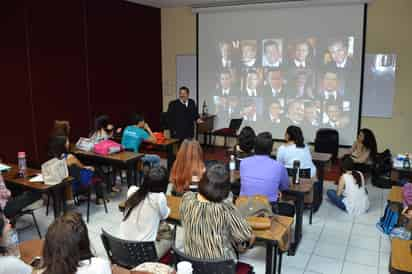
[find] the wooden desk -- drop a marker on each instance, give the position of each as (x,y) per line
(398,173)
(206,128)
(395,195)
(169,145)
(125,159)
(401,256)
(298,191)
(34,248)
(276,238)
(56,191)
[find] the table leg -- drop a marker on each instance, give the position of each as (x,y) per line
(270,257)
(129,174)
(299,206)
(280,261)
(170,156)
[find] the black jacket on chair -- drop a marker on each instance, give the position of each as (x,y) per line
(182,118)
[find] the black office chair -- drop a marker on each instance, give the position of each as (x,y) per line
(305,174)
(128,254)
(327,141)
(201,266)
(23,212)
(231,131)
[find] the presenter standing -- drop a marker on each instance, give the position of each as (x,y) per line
(182,115)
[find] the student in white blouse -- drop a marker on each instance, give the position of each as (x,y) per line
(144,209)
(295,149)
(67,249)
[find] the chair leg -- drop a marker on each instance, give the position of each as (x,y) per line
(280,262)
(310,214)
(105,205)
(36,224)
(48,203)
(88,204)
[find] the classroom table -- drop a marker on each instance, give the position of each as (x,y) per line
(297,191)
(169,145)
(34,248)
(56,191)
(401,256)
(276,237)
(398,173)
(395,195)
(122,160)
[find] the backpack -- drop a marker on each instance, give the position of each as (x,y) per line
(107,147)
(381,169)
(389,220)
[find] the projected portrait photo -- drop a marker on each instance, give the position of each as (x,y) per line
(339,53)
(272,53)
(274,112)
(226,83)
(226,54)
(301,54)
(332,89)
(252,82)
(248,50)
(334,116)
(295,111)
(251,108)
(301,85)
(312,111)
(226,107)
(275,86)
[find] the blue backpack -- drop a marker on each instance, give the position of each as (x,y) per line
(389,219)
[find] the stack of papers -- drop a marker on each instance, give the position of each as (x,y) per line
(4,167)
(37,179)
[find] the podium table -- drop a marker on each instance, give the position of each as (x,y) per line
(206,128)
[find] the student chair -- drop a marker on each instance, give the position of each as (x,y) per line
(201,266)
(128,254)
(231,131)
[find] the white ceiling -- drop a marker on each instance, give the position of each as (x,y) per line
(182,3)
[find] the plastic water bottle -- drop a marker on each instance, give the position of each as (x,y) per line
(407,162)
(296,167)
(13,243)
(204,109)
(232,168)
(21,159)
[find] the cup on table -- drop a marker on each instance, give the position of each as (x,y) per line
(184,268)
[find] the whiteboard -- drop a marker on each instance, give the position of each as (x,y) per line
(379,85)
(186,74)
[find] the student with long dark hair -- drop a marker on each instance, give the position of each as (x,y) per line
(144,209)
(59,148)
(246,146)
(67,249)
(103,129)
(295,149)
(365,148)
(351,195)
(9,264)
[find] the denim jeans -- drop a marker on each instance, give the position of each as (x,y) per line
(151,159)
(335,199)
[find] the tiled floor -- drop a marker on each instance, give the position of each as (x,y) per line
(334,244)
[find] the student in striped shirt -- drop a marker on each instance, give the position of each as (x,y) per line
(213,226)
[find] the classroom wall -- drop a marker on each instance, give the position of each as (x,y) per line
(72,60)
(387,32)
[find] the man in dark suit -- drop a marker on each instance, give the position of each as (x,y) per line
(252,84)
(182,114)
(301,58)
(226,84)
(339,52)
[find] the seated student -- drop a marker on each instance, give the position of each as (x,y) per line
(135,134)
(364,149)
(188,167)
(352,195)
(295,149)
(246,144)
(145,208)
(261,175)
(12,205)
(59,147)
(67,249)
(103,129)
(213,226)
(9,264)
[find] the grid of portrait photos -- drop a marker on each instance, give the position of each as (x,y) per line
(281,82)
